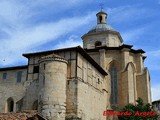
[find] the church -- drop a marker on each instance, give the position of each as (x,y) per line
(78,83)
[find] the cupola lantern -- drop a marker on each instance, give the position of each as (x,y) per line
(101,17)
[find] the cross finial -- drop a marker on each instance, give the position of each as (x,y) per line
(101,5)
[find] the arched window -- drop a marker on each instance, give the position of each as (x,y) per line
(114,87)
(100,18)
(98,43)
(10,105)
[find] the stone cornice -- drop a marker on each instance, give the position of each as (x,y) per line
(122,47)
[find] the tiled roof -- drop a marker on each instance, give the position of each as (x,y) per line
(25,115)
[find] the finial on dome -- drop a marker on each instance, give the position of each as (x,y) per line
(101,5)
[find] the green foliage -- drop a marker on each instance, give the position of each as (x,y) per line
(140,111)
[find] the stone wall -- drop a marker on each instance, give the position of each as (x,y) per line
(113,41)
(91,102)
(30,100)
(84,91)
(133,82)
(143,86)
(11,89)
(90,40)
(107,38)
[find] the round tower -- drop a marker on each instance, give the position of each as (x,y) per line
(52,82)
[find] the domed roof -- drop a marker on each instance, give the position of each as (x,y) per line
(53,57)
(101,28)
(101,12)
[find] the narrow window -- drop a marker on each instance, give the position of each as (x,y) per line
(44,66)
(35,105)
(19,76)
(43,79)
(98,81)
(4,76)
(36,69)
(100,19)
(114,87)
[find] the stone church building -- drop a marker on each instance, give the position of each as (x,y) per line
(78,83)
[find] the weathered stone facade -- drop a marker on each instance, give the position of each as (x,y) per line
(78,83)
(104,45)
(156,106)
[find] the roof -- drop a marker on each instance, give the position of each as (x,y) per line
(52,56)
(101,28)
(116,48)
(78,49)
(24,115)
(27,55)
(14,68)
(155,101)
(101,12)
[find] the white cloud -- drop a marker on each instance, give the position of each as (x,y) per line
(71,42)
(155,92)
(13,13)
(128,13)
(18,34)
(133,34)
(26,38)
(155,53)
(56,3)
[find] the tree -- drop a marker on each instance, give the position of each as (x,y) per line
(140,111)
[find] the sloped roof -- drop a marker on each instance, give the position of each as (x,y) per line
(25,115)
(14,68)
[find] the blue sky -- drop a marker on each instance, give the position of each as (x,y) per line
(37,25)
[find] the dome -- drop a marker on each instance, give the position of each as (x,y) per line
(101,28)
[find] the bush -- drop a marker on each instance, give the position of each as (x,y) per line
(140,111)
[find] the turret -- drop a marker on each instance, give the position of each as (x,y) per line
(101,17)
(52,83)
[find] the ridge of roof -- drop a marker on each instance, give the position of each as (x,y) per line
(45,52)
